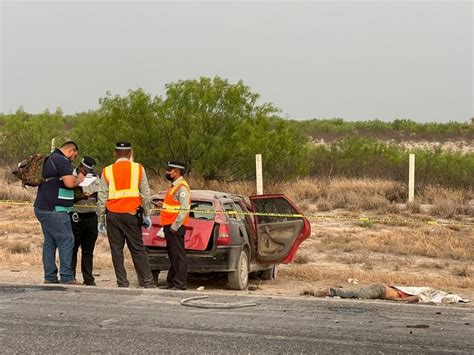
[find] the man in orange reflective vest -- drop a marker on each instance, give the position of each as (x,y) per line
(174,218)
(124,202)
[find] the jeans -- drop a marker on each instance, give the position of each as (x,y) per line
(57,233)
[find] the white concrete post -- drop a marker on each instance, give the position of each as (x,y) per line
(53,144)
(259,175)
(411,178)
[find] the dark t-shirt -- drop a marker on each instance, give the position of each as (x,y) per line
(53,195)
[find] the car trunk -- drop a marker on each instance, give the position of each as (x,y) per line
(199,231)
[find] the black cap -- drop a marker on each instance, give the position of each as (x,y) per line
(123,146)
(174,164)
(89,164)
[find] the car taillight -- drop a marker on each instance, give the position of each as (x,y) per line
(223,237)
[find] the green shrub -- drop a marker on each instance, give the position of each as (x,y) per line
(358,157)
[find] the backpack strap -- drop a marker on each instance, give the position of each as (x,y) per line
(50,159)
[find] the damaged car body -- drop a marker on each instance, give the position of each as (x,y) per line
(225,235)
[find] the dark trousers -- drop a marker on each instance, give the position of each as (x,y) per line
(84,227)
(124,228)
(178,271)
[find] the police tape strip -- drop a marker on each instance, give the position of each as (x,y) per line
(331,217)
(365,220)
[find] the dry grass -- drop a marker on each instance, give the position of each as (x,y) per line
(314,293)
(16,192)
(433,242)
(302,257)
(339,277)
(419,255)
(356,195)
(448,203)
(19,248)
(465,270)
(432,255)
(381,196)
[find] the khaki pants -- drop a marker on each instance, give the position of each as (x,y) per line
(371,292)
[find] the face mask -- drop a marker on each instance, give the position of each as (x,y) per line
(168,177)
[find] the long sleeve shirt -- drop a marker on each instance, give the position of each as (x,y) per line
(104,193)
(183,195)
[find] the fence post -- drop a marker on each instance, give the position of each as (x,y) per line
(259,175)
(411,178)
(53,144)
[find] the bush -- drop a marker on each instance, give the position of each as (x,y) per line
(24,134)
(358,157)
(399,129)
(215,127)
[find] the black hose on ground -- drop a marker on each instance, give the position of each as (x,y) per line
(214,305)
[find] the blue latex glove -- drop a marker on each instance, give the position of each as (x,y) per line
(146,222)
(101,228)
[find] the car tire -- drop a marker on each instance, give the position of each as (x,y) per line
(156,275)
(239,279)
(269,274)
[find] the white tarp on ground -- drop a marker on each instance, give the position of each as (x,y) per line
(430,295)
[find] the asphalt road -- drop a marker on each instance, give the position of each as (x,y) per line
(41,319)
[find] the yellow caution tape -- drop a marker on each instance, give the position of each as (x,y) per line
(13,202)
(362,219)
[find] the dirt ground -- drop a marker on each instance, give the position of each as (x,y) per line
(339,253)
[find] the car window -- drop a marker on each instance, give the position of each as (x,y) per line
(239,209)
(201,209)
(229,207)
(274,205)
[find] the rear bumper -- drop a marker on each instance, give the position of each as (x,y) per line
(223,259)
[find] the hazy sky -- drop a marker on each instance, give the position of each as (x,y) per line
(352,59)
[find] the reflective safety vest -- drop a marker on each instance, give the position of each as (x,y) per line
(123,178)
(171,206)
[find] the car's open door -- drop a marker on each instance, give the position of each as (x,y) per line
(279,233)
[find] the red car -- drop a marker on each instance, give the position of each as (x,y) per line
(233,243)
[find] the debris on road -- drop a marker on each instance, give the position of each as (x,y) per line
(419,326)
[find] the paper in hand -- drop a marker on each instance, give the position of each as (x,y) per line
(89,179)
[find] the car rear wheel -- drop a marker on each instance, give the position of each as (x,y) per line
(269,274)
(239,279)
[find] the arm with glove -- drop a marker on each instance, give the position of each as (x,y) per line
(101,201)
(183,196)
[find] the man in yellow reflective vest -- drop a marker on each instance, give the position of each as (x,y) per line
(174,218)
(124,202)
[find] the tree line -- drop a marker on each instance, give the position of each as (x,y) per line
(216,128)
